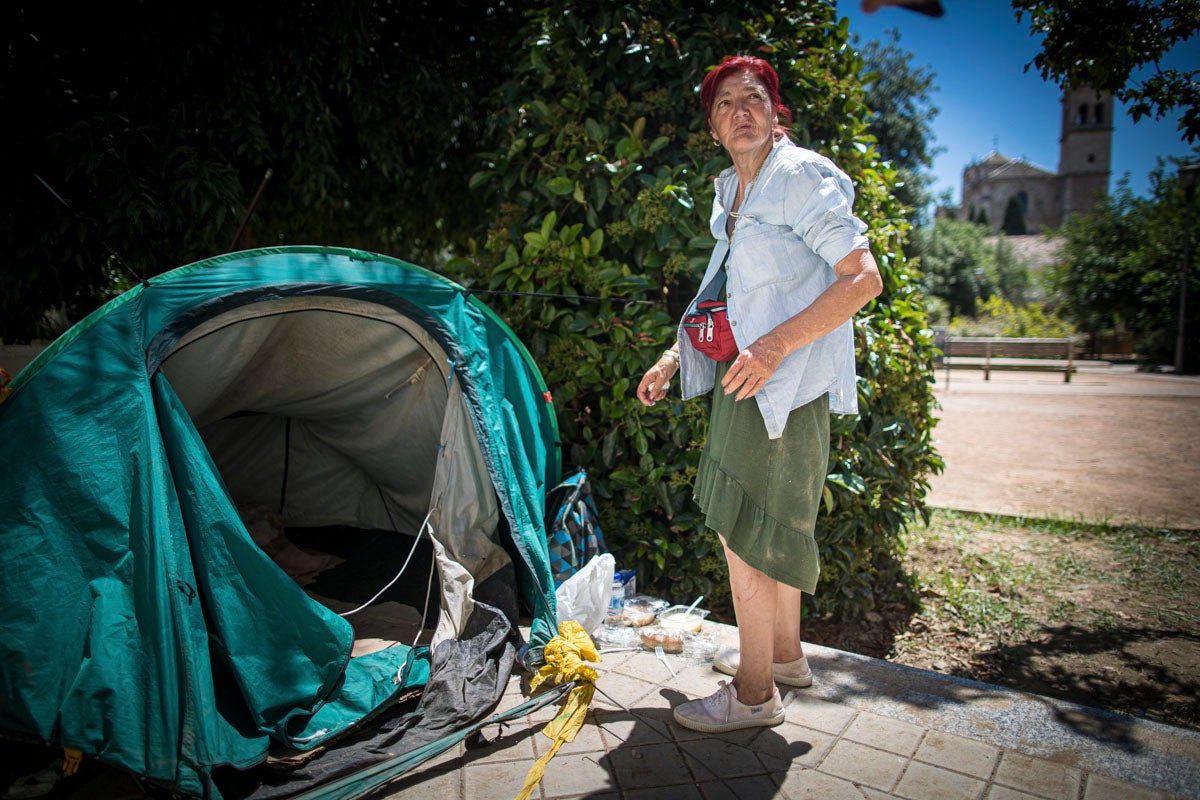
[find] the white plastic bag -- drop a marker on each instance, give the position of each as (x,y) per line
(586,595)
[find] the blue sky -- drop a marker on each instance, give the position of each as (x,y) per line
(978,52)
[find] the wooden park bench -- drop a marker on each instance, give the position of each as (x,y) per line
(1002,352)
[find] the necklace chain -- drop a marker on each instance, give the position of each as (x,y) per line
(749,187)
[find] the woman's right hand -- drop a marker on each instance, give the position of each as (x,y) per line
(656,380)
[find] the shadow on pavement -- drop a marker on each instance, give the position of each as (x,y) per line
(1080,665)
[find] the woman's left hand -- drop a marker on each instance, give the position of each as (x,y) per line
(753,367)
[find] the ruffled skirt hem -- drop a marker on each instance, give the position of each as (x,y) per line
(779,551)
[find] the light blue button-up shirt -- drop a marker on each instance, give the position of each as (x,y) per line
(795,225)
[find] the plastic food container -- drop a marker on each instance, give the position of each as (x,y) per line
(669,639)
(615,636)
(634,614)
(679,618)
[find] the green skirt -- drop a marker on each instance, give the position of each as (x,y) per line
(762,495)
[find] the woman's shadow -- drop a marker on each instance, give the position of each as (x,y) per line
(648,750)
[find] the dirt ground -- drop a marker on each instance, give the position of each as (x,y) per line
(1101,617)
(1112,445)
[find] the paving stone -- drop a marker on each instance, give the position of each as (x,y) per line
(793,746)
(621,691)
(684,679)
(650,718)
(751,736)
(1102,787)
(668,793)
(445,785)
(958,753)
(866,730)
(645,665)
(587,740)
(695,681)
(756,786)
(716,757)
(513,692)
(809,784)
(514,744)
(538,718)
(866,765)
(927,782)
(451,759)
(652,765)
(638,726)
(1038,776)
(1005,793)
(884,733)
(811,712)
(612,660)
(500,780)
(575,775)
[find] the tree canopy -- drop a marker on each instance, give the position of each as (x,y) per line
(1106,44)
(157,125)
(962,267)
(603,177)
(901,119)
(1119,267)
(554,160)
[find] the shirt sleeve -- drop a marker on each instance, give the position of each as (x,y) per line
(819,206)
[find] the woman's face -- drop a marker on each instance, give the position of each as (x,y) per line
(741,115)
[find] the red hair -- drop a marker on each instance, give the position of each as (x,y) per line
(755,66)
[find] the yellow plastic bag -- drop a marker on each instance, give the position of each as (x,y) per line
(565,655)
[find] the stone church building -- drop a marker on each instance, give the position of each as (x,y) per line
(1047,198)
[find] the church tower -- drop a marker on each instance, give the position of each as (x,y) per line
(1085,149)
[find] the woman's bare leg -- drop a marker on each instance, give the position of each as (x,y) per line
(755,602)
(787,624)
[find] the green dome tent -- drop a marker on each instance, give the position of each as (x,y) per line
(145,626)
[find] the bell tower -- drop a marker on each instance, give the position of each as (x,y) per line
(1085,149)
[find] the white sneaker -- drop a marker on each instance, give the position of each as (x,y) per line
(790,673)
(722,711)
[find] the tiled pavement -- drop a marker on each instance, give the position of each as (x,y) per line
(866,730)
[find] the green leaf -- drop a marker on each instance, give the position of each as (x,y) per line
(609,450)
(664,498)
(560,185)
(848,481)
(600,189)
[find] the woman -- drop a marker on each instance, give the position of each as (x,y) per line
(798,269)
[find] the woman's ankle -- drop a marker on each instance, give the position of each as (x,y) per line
(748,697)
(787,656)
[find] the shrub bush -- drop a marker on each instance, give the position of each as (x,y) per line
(998,317)
(602,181)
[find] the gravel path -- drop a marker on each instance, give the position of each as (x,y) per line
(1113,445)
